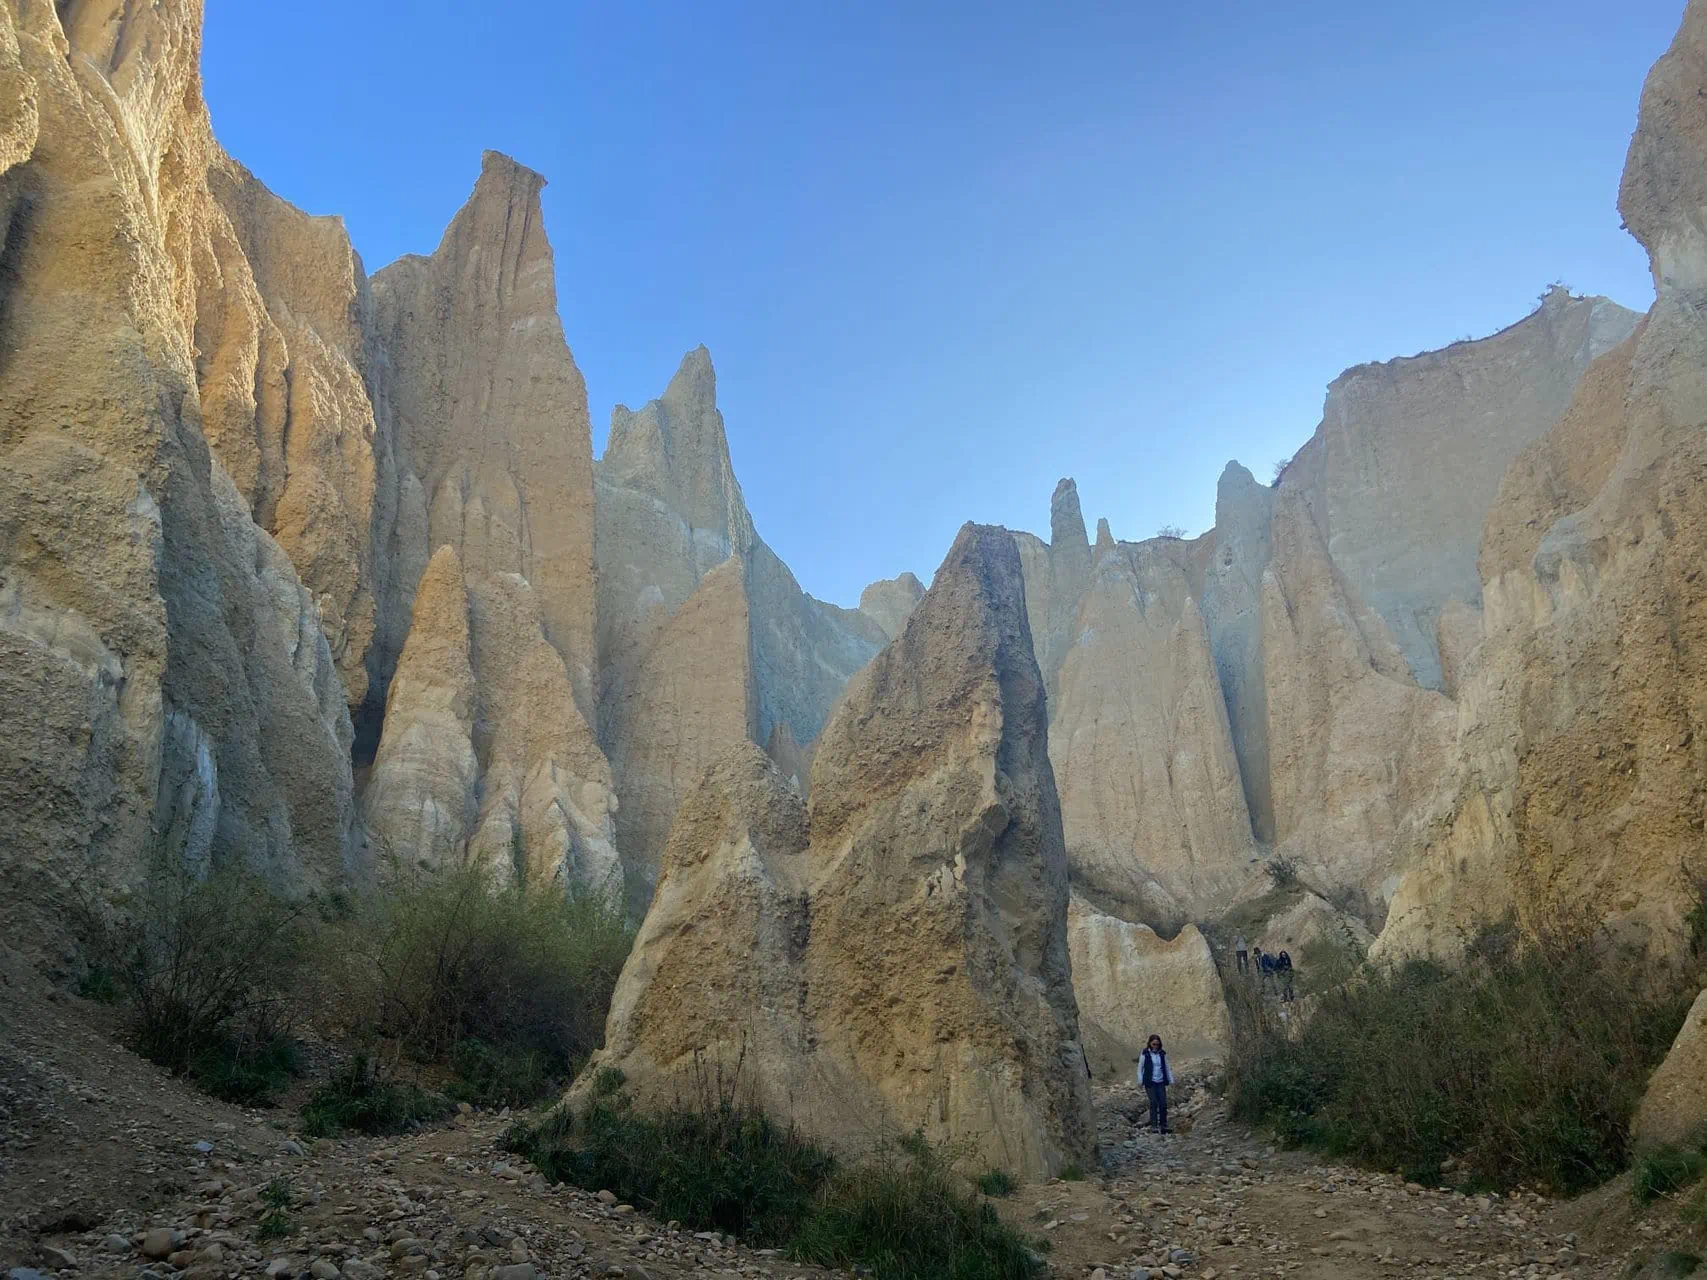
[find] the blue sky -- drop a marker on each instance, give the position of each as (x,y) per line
(946,252)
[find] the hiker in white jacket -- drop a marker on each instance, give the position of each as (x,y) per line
(1156,1075)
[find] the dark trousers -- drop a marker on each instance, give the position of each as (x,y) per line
(1244,959)
(1158,1094)
(1286,985)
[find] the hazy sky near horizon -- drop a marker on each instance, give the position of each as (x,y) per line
(944,253)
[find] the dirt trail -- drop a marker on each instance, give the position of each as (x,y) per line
(97,1148)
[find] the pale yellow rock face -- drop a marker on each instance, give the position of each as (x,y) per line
(485,759)
(937,963)
(419,801)
(491,411)
(1130,985)
(1151,799)
(165,689)
(281,307)
(1409,455)
(688,705)
(753,659)
(1353,743)
(715,974)
(1674,1109)
(891,601)
(1232,607)
(546,795)
(1308,920)
(1580,772)
(900,962)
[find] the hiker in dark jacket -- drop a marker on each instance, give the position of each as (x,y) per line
(1265,965)
(1283,967)
(1156,1075)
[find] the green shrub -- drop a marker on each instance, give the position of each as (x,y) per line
(1072,1173)
(250,1068)
(1283,872)
(716,1163)
(1666,1172)
(276,1222)
(1524,1064)
(998,1182)
(495,1076)
(510,986)
(609,1081)
(204,964)
(901,1212)
(358,1098)
(100,984)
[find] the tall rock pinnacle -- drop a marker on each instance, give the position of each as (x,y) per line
(895,958)
(491,410)
(937,963)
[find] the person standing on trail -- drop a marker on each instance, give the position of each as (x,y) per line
(1283,967)
(1241,953)
(1156,1075)
(1265,964)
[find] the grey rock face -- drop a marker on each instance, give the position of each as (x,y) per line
(670,512)
(1408,458)
(890,601)
(1232,608)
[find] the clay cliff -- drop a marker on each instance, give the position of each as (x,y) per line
(315,573)
(1579,777)
(214,634)
(705,637)
(1132,984)
(1283,685)
(490,411)
(898,960)
(166,685)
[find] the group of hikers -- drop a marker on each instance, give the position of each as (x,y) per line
(1273,970)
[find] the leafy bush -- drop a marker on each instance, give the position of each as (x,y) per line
(204,965)
(1667,1171)
(901,1212)
(713,1161)
(717,1163)
(276,1199)
(1282,872)
(358,1098)
(508,985)
(250,1067)
(1173,531)
(998,1182)
(498,1076)
(101,985)
(1525,1063)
